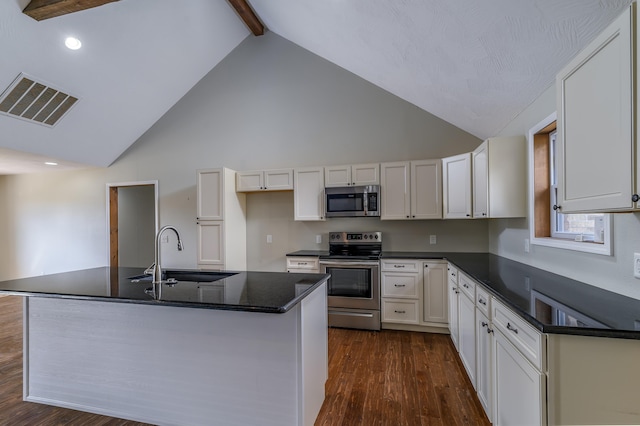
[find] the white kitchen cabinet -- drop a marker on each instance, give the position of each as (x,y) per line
(221,221)
(484,379)
(499,181)
(434,293)
(308,194)
(303,264)
(595,103)
(352,175)
(400,281)
(519,391)
(264,180)
(411,190)
(467,334)
(456,186)
(453,295)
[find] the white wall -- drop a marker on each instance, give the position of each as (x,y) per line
(268,104)
(614,273)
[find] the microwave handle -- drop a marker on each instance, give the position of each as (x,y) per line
(366,202)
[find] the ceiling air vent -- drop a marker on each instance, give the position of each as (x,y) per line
(30,100)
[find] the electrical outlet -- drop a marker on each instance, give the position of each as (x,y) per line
(269,239)
(636,265)
(318,239)
(526,245)
(432,239)
(165,238)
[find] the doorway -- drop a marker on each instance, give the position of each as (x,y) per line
(132,223)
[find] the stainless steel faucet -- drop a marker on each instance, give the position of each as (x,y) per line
(156,268)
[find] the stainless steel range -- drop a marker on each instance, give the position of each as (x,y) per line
(354,286)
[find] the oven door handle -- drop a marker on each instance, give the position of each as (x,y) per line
(347,264)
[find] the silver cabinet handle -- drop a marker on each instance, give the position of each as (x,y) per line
(400,312)
(398,266)
(400,285)
(512,328)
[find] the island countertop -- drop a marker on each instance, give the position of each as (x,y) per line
(269,292)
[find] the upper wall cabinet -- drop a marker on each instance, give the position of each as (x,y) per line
(456,186)
(595,101)
(308,193)
(358,174)
(411,190)
(500,178)
(264,180)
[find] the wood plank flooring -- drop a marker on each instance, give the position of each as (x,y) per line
(383,378)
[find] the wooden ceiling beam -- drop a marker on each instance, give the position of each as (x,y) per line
(249,17)
(45,9)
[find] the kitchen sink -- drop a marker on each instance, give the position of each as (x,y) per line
(181,275)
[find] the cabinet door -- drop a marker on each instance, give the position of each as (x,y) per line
(426,189)
(595,124)
(337,176)
(454,294)
(467,335)
(483,362)
(395,192)
(456,183)
(365,174)
(210,243)
(278,180)
(434,295)
(210,184)
(519,391)
(480,167)
(308,193)
(249,181)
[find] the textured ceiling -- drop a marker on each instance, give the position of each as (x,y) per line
(475,64)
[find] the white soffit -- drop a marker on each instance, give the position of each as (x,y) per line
(475,64)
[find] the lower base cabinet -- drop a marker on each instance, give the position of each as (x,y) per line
(484,341)
(519,391)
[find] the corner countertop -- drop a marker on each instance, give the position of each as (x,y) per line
(269,292)
(551,303)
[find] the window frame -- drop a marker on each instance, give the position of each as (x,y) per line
(567,243)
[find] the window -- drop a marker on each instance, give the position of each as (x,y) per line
(576,227)
(548,227)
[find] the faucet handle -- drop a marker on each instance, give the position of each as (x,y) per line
(150,269)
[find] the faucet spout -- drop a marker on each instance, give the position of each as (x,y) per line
(157,269)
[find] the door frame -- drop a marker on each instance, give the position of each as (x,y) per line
(112,215)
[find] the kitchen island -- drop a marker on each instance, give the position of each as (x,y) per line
(244,348)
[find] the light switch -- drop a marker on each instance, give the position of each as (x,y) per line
(318,239)
(432,239)
(269,239)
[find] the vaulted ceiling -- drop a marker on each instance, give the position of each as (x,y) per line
(474,64)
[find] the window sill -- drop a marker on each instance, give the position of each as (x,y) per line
(595,248)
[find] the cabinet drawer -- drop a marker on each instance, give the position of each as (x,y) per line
(483,301)
(452,273)
(467,285)
(401,265)
(523,336)
(401,311)
(400,285)
(295,262)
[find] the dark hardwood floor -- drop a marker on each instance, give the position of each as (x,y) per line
(375,378)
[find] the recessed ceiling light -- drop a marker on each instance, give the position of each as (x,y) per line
(72,43)
(51,163)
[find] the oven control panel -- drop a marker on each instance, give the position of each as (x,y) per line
(355,237)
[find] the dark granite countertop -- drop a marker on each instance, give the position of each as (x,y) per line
(550,302)
(270,292)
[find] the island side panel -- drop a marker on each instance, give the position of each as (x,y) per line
(164,365)
(593,380)
(314,353)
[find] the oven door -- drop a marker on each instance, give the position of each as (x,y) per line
(353,284)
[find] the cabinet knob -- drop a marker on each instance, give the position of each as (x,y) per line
(484,324)
(635,198)
(426,266)
(557,207)
(407,216)
(484,214)
(413,216)
(468,215)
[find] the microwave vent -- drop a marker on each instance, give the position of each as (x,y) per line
(30,100)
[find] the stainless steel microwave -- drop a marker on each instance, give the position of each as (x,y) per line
(352,201)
